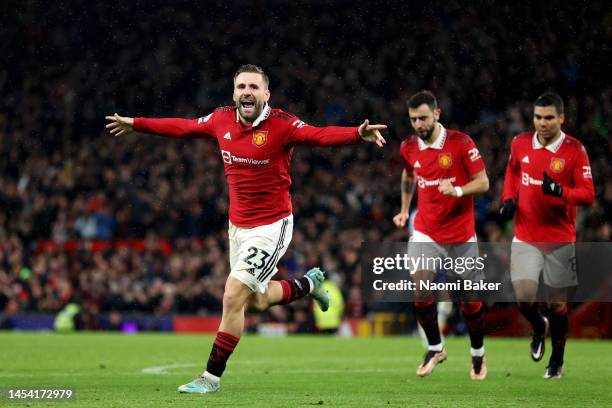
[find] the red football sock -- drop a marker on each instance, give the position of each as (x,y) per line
(294,289)
(222,349)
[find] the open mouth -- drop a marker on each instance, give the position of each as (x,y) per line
(247,105)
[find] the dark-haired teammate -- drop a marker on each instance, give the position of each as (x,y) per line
(256,144)
(547,176)
(447,169)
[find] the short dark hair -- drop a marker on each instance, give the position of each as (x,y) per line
(254,69)
(550,99)
(423,97)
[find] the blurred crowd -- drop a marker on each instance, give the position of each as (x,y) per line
(64,178)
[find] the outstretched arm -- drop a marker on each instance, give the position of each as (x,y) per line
(171,127)
(335,135)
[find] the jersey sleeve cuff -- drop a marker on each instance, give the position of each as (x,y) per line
(358,138)
(565,193)
(137,124)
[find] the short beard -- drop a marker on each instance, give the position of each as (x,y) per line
(427,136)
(257,111)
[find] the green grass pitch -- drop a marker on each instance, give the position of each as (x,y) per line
(106,370)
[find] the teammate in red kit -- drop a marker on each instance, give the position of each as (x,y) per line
(256,144)
(447,168)
(547,176)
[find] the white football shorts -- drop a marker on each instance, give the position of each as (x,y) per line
(255,252)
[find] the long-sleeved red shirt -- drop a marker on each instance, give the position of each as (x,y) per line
(545,218)
(256,157)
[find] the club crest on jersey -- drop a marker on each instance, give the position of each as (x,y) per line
(445,160)
(260,137)
(557,164)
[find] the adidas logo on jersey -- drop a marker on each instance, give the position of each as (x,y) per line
(525,159)
(417,165)
(228,136)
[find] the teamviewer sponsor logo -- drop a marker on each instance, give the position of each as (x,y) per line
(423,182)
(229,158)
(526,180)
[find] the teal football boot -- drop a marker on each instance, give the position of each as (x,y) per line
(199,386)
(319,293)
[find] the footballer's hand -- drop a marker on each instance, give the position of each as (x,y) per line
(550,187)
(371,133)
(446,188)
(507,210)
(120,124)
(400,219)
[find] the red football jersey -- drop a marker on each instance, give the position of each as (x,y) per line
(545,218)
(454,157)
(256,157)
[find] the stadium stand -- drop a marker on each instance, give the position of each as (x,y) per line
(138,223)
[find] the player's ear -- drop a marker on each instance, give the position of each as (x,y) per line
(436,113)
(267,95)
(562,118)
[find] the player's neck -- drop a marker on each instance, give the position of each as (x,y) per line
(549,141)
